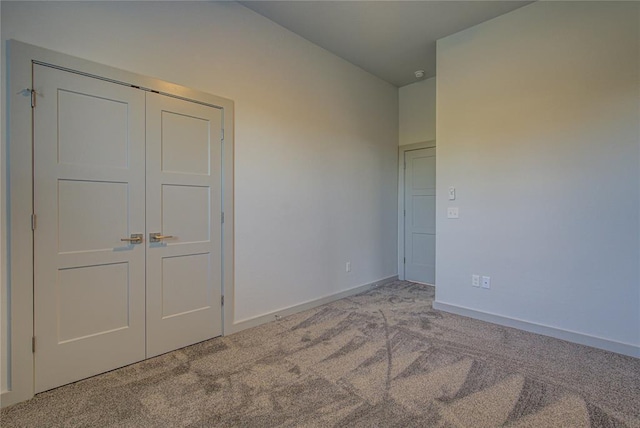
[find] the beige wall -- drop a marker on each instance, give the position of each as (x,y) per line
(418,112)
(538,129)
(316,137)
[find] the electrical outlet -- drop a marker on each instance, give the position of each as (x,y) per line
(452,212)
(347,267)
(486,282)
(278,317)
(475,280)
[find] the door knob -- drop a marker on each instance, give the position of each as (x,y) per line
(136,238)
(158,237)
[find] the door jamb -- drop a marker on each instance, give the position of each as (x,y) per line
(401,217)
(17,286)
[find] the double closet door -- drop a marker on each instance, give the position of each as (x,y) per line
(127,238)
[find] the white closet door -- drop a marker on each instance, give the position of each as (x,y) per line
(184,204)
(420,216)
(89,193)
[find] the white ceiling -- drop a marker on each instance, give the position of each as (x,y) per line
(390,39)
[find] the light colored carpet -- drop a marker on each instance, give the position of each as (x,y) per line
(384,358)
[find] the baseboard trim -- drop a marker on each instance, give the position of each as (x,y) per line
(569,336)
(9,398)
(290,310)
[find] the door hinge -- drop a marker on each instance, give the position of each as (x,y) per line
(33,98)
(404,212)
(33,344)
(222,134)
(33,221)
(222,217)
(405,165)
(222,300)
(404,260)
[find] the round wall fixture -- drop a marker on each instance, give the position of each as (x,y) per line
(419,74)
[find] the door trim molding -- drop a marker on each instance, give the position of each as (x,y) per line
(17,286)
(401,153)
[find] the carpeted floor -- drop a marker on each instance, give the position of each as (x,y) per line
(384,358)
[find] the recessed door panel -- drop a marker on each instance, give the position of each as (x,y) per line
(423,171)
(186,142)
(186,284)
(184,206)
(83,140)
(423,250)
(89,286)
(193,222)
(98,295)
(92,215)
(423,215)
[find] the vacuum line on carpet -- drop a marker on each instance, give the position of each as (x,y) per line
(389,357)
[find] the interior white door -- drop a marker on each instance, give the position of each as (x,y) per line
(420,215)
(89,193)
(184,273)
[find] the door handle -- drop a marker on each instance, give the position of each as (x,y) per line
(158,237)
(136,238)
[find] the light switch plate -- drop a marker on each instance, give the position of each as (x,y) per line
(452,212)
(475,280)
(452,193)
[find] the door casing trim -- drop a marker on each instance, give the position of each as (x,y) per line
(401,153)
(17,285)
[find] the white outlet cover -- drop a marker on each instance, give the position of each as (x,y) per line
(452,212)
(486,282)
(475,280)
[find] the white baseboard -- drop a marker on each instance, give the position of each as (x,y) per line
(569,336)
(271,316)
(7,398)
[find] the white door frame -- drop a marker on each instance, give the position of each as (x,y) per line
(401,168)
(19,284)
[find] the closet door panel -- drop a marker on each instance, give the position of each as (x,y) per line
(89,193)
(184,273)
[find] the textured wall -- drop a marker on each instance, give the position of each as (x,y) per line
(418,112)
(316,137)
(538,128)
